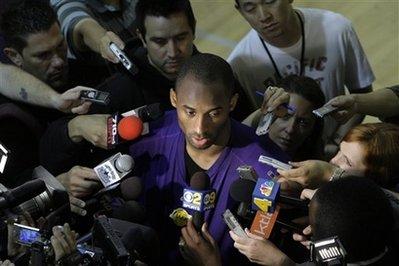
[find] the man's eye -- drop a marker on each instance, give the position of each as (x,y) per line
(181,38)
(286,117)
(190,113)
(214,114)
(249,8)
(160,41)
(44,56)
(303,123)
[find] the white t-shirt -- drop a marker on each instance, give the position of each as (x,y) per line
(333,57)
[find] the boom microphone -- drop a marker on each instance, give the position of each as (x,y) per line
(25,192)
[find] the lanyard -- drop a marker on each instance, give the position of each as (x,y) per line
(302,50)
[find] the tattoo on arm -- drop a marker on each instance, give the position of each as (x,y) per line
(24,94)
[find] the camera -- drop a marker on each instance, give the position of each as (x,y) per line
(51,204)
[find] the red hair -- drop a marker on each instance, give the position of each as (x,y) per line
(381,144)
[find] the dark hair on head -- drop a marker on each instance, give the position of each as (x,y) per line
(208,69)
(357,211)
(310,90)
(163,8)
(22,18)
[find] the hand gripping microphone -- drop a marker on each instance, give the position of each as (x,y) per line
(113,169)
(199,198)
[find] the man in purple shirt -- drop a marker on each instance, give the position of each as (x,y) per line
(199,136)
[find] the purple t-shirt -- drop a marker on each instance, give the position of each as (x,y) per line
(159,160)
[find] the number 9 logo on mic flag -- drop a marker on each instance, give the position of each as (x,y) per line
(199,200)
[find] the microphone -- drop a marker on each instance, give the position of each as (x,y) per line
(142,243)
(120,129)
(250,196)
(113,169)
(147,113)
(25,192)
(199,198)
(241,191)
(132,124)
(130,211)
(131,188)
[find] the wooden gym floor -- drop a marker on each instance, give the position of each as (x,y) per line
(220,27)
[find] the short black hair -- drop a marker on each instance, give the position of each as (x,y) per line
(357,211)
(208,69)
(22,18)
(310,90)
(163,8)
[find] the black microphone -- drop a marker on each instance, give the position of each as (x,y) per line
(130,211)
(241,191)
(150,112)
(143,244)
(199,181)
(25,192)
(131,188)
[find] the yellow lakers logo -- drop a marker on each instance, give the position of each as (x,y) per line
(180,216)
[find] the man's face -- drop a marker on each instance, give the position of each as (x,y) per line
(290,131)
(203,112)
(169,42)
(45,57)
(270,18)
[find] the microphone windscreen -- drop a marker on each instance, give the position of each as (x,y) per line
(23,193)
(241,190)
(131,188)
(130,128)
(142,241)
(124,163)
(200,181)
(130,211)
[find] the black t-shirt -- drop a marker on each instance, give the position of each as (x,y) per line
(191,166)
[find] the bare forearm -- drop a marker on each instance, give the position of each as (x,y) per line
(87,33)
(383,103)
(21,86)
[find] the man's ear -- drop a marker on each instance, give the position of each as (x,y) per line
(141,38)
(14,56)
(233,102)
(173,97)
